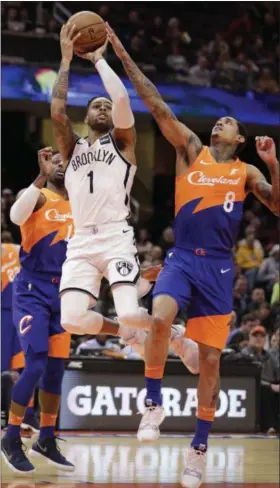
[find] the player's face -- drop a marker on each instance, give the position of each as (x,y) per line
(226,129)
(99,116)
(57,175)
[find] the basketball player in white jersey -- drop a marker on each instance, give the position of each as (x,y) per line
(99,172)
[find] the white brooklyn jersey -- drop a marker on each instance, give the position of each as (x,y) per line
(98,180)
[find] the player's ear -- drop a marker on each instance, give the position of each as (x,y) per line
(240,139)
(86,119)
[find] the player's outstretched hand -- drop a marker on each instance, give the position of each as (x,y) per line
(266,149)
(114,41)
(45,161)
(67,40)
(96,55)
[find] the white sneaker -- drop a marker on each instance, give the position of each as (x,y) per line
(186,349)
(134,338)
(148,430)
(192,476)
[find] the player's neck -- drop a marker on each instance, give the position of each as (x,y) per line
(222,152)
(93,135)
(61,191)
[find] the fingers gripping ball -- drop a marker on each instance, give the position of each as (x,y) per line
(92,29)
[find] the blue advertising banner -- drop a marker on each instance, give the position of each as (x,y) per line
(30,83)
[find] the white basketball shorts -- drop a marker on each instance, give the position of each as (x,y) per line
(106,251)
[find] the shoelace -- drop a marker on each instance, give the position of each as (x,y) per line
(19,449)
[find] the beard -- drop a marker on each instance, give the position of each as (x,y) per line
(101,126)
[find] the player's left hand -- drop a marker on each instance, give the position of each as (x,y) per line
(114,41)
(96,55)
(266,149)
(45,160)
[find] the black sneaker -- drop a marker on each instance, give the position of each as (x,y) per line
(49,449)
(13,454)
(31,422)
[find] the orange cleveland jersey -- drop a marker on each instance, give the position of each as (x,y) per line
(10,266)
(45,235)
(209,203)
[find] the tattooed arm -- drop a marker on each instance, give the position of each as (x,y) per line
(63,132)
(268,194)
(174,131)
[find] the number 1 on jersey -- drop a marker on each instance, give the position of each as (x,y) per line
(90,175)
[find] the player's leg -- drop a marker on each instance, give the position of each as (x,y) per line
(31,319)
(171,292)
(208,324)
(49,397)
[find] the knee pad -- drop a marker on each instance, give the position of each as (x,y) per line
(51,381)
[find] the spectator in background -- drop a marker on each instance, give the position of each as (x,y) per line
(240,296)
(217,47)
(237,46)
(238,341)
(199,74)
(257,299)
(133,25)
(266,82)
(270,378)
(275,340)
(9,198)
(266,316)
(14,23)
(175,34)
(275,296)
(144,245)
(167,240)
(100,342)
(156,32)
(249,257)
(156,255)
(104,12)
(269,269)
(248,322)
(250,230)
(177,63)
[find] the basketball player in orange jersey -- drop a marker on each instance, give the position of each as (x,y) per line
(211,186)
(99,173)
(45,220)
(12,357)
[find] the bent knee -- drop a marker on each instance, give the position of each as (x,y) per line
(161,326)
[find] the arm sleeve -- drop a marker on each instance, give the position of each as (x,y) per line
(121,112)
(25,204)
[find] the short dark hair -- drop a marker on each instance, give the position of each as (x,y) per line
(95,98)
(248,318)
(242,132)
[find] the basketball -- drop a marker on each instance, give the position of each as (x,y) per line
(93,31)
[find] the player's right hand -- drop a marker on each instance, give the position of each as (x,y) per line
(67,40)
(45,160)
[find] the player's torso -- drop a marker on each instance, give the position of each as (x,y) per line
(45,235)
(98,180)
(208,204)
(10,266)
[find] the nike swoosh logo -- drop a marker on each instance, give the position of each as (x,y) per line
(170,254)
(125,231)
(44,449)
(223,271)
(203,162)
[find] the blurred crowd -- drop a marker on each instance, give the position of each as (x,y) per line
(234,46)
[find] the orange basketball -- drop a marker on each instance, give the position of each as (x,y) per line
(93,31)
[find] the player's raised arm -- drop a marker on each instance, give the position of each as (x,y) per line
(63,131)
(122,116)
(175,132)
(267,193)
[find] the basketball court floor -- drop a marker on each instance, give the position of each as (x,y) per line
(119,460)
